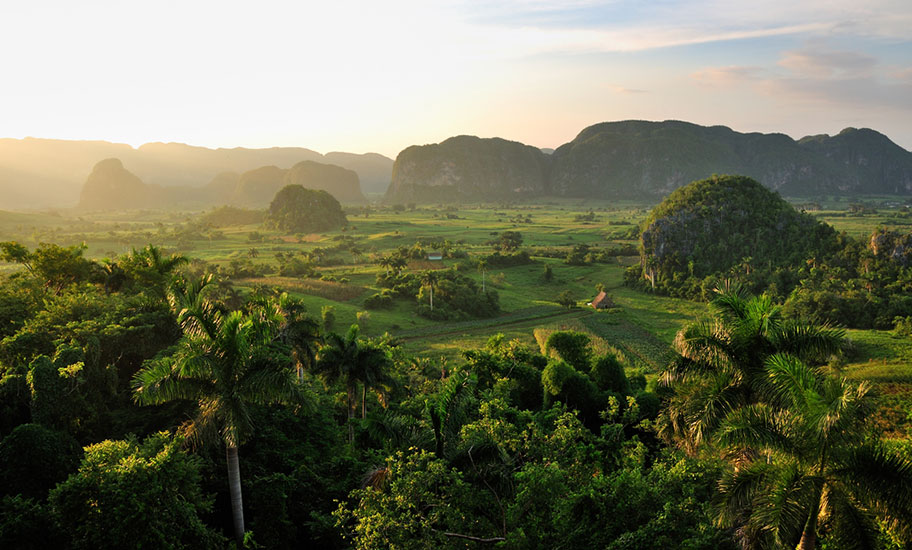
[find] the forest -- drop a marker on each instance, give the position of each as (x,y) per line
(431,376)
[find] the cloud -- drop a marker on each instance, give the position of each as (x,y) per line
(828,64)
(715,77)
(818,74)
(623,90)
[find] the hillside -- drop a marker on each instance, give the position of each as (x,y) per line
(722,227)
(38,173)
(340,183)
(468,168)
(648,160)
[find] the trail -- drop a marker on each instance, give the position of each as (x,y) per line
(470,327)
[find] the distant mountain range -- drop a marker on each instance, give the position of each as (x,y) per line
(612,160)
(648,160)
(111,186)
(37,173)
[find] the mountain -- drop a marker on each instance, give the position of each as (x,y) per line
(647,160)
(341,183)
(257,187)
(468,168)
(711,226)
(868,160)
(37,173)
(111,186)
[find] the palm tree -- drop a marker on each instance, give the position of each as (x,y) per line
(721,362)
(148,267)
(352,362)
(430,278)
(812,463)
(482,266)
(300,332)
(226,362)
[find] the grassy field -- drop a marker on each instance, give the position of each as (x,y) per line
(640,328)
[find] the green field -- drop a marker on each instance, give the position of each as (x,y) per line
(640,328)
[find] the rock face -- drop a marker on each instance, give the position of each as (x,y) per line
(637,159)
(868,161)
(111,186)
(337,181)
(469,168)
(648,160)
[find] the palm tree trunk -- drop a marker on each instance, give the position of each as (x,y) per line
(432,297)
(234,489)
(351,414)
(363,401)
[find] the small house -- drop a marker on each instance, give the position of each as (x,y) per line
(602,301)
(435,256)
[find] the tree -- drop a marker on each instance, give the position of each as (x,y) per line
(226,363)
(148,269)
(509,241)
(128,494)
(721,365)
(351,362)
(429,278)
(565,298)
(482,267)
(807,461)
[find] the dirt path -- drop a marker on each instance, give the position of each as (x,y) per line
(472,326)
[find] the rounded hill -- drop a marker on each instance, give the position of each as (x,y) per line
(725,226)
(299,210)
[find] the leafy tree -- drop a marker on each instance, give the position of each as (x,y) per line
(226,363)
(401,512)
(128,494)
(54,265)
(328,316)
(565,298)
(608,374)
(28,524)
(509,241)
(34,458)
(571,346)
(299,210)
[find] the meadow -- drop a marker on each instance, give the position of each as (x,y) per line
(640,327)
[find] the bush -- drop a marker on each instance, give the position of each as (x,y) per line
(380,300)
(135,495)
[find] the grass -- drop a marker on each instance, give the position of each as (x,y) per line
(640,329)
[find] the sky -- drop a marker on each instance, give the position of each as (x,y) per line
(380,76)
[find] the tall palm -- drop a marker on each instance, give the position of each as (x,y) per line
(296,329)
(721,362)
(226,362)
(483,267)
(429,278)
(350,361)
(810,464)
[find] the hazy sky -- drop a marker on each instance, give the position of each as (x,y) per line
(379,76)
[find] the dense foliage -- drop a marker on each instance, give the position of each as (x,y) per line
(143,404)
(298,210)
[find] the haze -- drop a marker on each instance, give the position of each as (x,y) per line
(368,76)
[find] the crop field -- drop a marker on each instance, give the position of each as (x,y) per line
(641,327)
